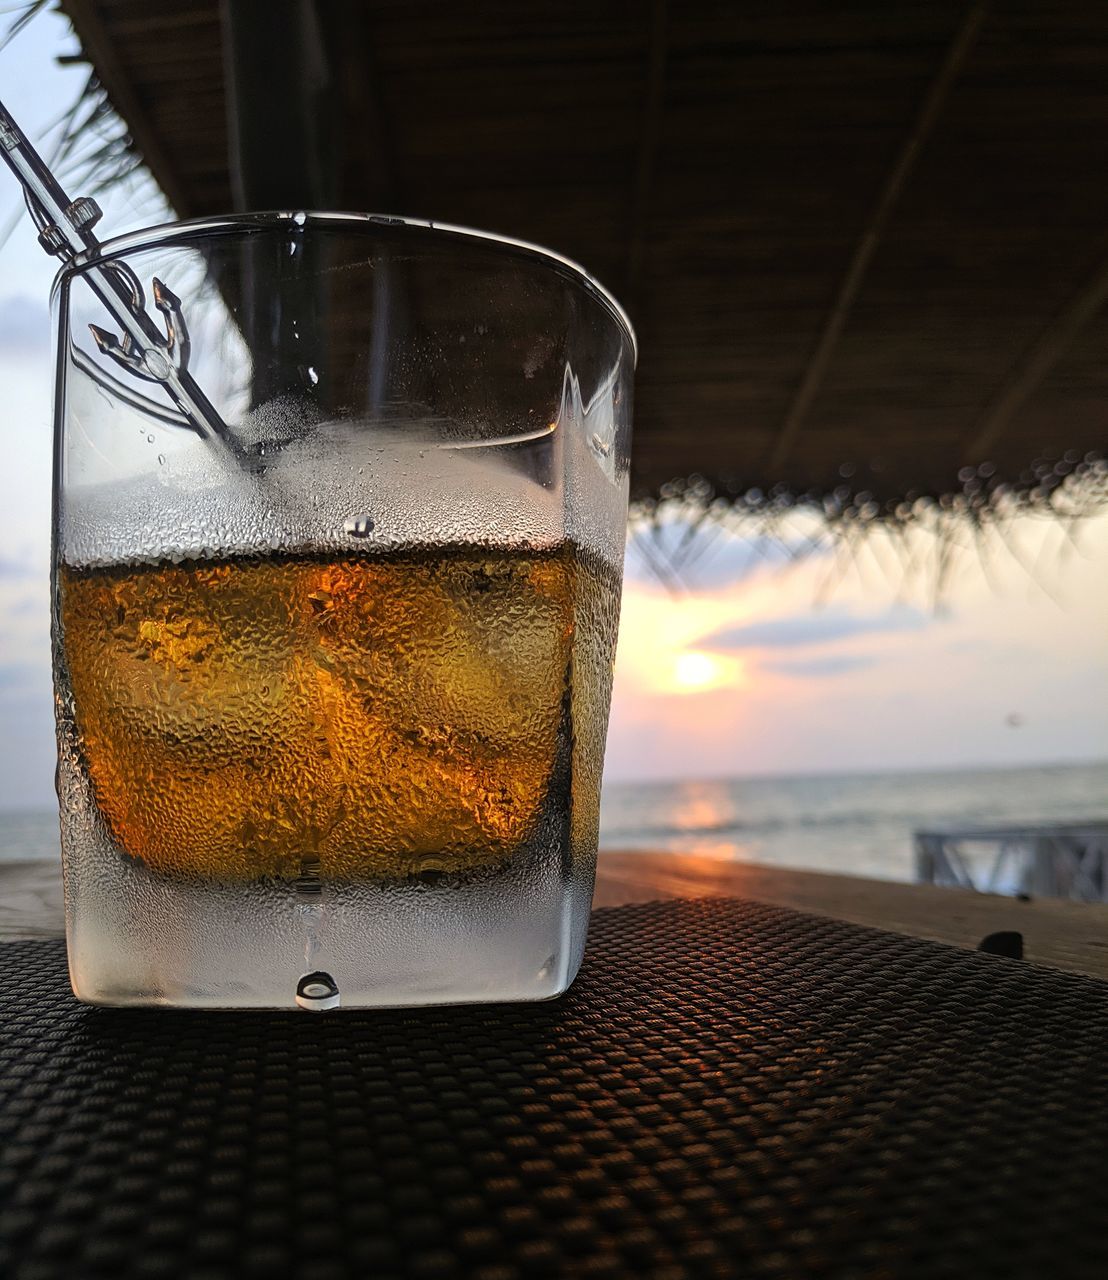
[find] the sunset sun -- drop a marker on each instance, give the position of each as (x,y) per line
(697,672)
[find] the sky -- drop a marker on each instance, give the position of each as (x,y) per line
(756,665)
(838,663)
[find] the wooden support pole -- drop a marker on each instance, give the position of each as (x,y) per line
(280,106)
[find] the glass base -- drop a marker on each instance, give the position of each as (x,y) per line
(137,937)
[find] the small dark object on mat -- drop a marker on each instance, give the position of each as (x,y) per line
(1005,943)
(730,1089)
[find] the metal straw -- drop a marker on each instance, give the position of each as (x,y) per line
(65,231)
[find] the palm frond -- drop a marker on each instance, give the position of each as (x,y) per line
(87,145)
(857,535)
(25,14)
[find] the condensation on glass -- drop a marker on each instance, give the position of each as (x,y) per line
(332,682)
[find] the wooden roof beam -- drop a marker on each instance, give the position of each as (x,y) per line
(1034,367)
(816,369)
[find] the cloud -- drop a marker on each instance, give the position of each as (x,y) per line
(22,677)
(724,565)
(809,630)
(13,570)
(26,606)
(24,326)
(832,665)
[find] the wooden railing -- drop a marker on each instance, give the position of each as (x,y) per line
(1063,860)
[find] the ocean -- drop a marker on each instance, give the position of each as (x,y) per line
(851,824)
(857,824)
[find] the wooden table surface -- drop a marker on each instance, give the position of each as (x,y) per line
(1064,935)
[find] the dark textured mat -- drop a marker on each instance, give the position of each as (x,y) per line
(729,1089)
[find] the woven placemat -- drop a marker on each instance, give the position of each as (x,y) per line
(730,1089)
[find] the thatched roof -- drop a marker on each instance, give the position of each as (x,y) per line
(862,244)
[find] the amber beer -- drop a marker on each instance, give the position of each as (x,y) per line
(347,717)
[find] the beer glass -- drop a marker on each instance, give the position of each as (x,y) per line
(332,682)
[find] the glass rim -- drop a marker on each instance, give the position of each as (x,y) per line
(189,228)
